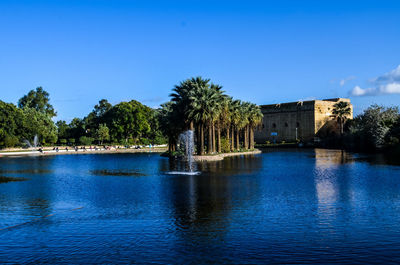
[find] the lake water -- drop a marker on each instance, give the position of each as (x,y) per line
(282,206)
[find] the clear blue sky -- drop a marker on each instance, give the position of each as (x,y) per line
(260,51)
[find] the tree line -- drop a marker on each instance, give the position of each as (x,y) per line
(220,123)
(124,123)
(376,129)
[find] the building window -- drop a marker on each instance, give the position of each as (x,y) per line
(273,125)
(286,124)
(297,124)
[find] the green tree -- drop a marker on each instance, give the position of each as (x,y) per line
(39,100)
(128,120)
(103,133)
(62,130)
(77,128)
(170,124)
(101,108)
(372,127)
(40,124)
(11,121)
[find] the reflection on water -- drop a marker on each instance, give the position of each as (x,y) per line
(106,172)
(283,206)
(4,179)
(207,197)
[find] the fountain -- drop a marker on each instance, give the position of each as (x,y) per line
(35,142)
(185,163)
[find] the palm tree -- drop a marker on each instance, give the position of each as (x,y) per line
(224,120)
(202,109)
(170,125)
(236,123)
(341,110)
(255,120)
(200,105)
(244,122)
(182,95)
(215,116)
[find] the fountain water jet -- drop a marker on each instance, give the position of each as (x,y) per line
(186,165)
(35,142)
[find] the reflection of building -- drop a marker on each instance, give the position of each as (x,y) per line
(326,158)
(302,120)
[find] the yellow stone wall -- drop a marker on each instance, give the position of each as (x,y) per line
(309,118)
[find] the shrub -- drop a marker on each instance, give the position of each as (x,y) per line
(225,145)
(144,141)
(63,141)
(71,141)
(84,140)
(10,140)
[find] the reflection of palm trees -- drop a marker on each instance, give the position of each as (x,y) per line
(208,198)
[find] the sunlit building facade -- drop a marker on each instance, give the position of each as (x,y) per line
(303,121)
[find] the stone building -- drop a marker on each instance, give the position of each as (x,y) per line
(304,120)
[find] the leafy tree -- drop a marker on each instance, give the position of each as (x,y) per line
(39,100)
(11,119)
(372,127)
(76,129)
(101,108)
(103,133)
(62,129)
(128,120)
(170,124)
(40,124)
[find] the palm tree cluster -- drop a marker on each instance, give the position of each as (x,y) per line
(201,106)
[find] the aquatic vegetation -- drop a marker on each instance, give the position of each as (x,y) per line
(4,179)
(126,173)
(25,171)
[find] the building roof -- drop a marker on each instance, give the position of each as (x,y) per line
(307,102)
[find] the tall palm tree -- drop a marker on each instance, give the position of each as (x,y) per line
(182,97)
(255,120)
(170,125)
(202,109)
(215,128)
(341,110)
(224,120)
(244,122)
(236,123)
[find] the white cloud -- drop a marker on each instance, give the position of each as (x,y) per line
(358,91)
(345,80)
(388,83)
(392,88)
(392,76)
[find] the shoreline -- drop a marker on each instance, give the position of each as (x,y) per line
(81,152)
(219,157)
